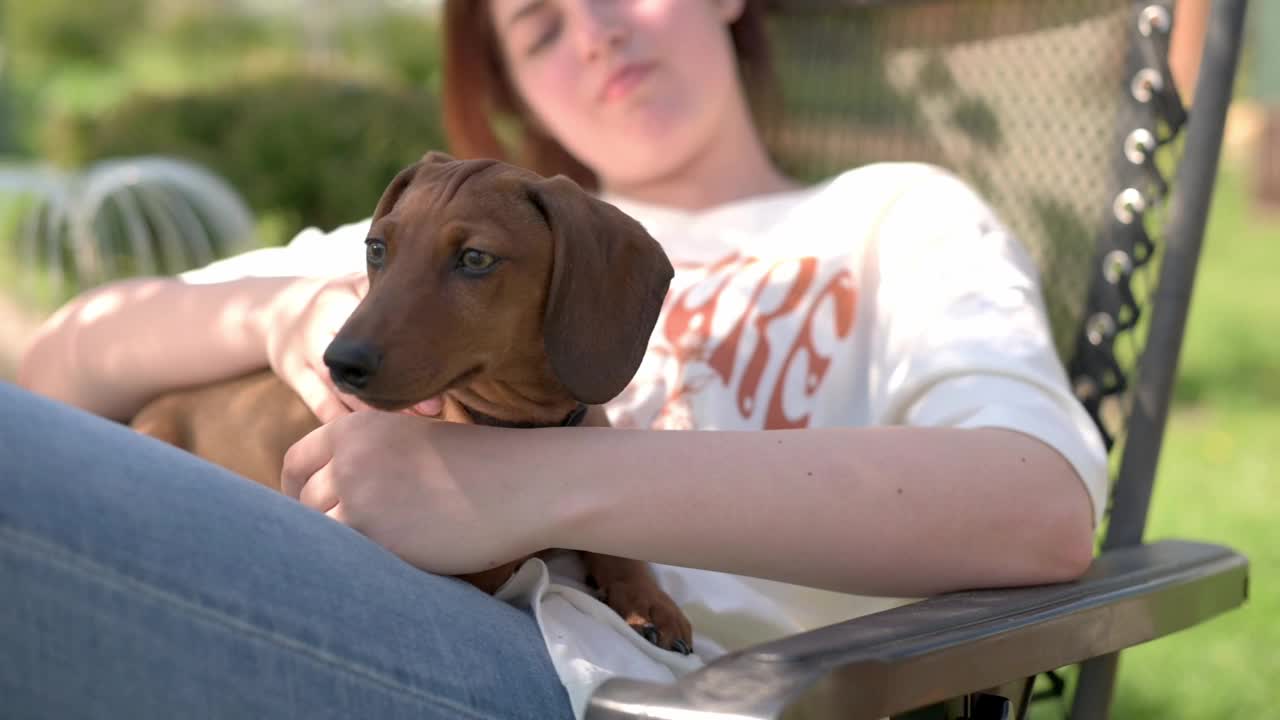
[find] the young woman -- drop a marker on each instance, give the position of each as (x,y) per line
(873,353)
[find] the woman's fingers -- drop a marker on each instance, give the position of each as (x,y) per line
(318,395)
(330,402)
(300,339)
(339,512)
(320,492)
(303,460)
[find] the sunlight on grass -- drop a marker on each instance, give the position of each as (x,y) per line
(1217,484)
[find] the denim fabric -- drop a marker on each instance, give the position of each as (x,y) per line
(139,582)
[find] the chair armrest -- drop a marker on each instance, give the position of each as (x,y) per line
(947,646)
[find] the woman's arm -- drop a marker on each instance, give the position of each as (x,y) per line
(117,346)
(903,512)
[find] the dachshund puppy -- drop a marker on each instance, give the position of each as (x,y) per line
(522,300)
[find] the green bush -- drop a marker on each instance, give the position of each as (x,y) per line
(303,148)
(42,41)
(75,31)
(405,44)
(195,31)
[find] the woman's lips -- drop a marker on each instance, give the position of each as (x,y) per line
(624,80)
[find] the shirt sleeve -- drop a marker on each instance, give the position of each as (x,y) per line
(962,338)
(311,252)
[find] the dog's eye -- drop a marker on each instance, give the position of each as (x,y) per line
(375,252)
(476,261)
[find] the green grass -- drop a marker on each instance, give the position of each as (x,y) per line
(1217,483)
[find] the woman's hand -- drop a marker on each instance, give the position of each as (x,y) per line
(434,493)
(303,321)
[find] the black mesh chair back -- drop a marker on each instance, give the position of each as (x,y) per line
(1055,111)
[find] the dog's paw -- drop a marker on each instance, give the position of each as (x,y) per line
(652,614)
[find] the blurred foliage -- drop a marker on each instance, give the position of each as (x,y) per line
(406,45)
(308,126)
(50,32)
(307,147)
(206,31)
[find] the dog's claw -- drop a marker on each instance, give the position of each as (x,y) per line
(650,633)
(680,647)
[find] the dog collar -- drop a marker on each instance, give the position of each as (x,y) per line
(573,419)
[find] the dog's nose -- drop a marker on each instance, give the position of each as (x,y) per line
(352,362)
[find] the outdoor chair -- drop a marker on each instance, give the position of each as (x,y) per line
(1065,115)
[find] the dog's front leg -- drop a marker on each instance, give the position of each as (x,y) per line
(628,586)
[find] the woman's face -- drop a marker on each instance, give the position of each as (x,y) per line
(634,89)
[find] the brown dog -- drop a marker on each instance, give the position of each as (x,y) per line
(522,300)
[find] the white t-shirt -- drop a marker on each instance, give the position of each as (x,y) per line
(889,295)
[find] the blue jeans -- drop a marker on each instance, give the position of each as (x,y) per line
(139,582)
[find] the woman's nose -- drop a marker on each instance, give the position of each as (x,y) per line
(599,27)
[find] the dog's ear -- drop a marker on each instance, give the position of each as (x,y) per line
(608,280)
